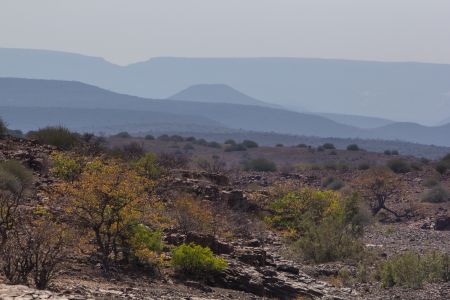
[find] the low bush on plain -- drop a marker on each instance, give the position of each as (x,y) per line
(260,165)
(236,147)
(332,183)
(353,147)
(60,137)
(399,166)
(437,194)
(250,144)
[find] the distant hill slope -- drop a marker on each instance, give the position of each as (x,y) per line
(399,91)
(107,121)
(445,121)
(52,93)
(439,135)
(29,93)
(217,93)
(357,121)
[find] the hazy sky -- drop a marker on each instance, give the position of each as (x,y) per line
(125,31)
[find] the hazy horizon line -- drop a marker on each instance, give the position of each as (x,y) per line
(224,57)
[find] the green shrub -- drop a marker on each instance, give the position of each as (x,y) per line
(302,146)
(237,147)
(249,144)
(60,137)
(328,146)
(279,145)
(65,167)
(123,135)
(411,269)
(147,166)
(332,183)
(387,152)
(416,166)
(176,138)
(353,147)
(399,166)
(164,137)
(144,246)
(201,142)
(133,150)
(149,137)
(188,147)
(442,167)
(436,194)
(3,129)
(364,166)
(326,225)
(230,142)
(191,139)
(214,145)
(260,165)
(196,260)
(14,177)
(431,182)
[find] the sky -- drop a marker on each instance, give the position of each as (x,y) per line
(127,31)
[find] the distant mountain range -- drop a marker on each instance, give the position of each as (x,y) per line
(416,92)
(28,103)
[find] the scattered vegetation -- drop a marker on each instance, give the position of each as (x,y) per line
(411,269)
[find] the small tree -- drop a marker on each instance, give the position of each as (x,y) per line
(379,185)
(104,201)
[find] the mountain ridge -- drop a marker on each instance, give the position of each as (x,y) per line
(405,91)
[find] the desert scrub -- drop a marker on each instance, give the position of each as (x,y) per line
(332,183)
(3,129)
(399,166)
(250,144)
(324,225)
(411,269)
(260,165)
(60,137)
(196,260)
(437,194)
(353,147)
